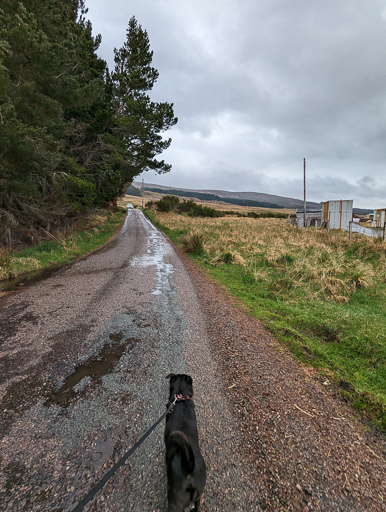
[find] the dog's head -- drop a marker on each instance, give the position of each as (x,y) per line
(180,384)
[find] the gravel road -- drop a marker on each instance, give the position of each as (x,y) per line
(83,360)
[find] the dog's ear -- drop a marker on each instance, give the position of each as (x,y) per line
(170,375)
(188,379)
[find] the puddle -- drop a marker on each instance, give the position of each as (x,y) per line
(19,282)
(142,321)
(91,370)
(157,249)
(13,318)
(116,336)
(102,451)
(14,473)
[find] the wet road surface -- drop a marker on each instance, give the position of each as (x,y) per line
(83,360)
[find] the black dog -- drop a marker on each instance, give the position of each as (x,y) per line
(185,466)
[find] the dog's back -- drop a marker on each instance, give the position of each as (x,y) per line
(185,466)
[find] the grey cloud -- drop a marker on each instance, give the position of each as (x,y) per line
(256,84)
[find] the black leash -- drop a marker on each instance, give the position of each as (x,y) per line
(97,487)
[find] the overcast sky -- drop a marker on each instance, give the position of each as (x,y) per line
(259,84)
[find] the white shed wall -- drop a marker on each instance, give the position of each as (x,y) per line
(339,214)
(379,218)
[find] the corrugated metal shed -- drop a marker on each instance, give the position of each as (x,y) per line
(312,217)
(379,218)
(337,214)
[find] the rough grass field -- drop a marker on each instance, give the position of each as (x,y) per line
(90,233)
(318,292)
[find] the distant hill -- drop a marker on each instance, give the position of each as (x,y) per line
(361,211)
(212,197)
(240,198)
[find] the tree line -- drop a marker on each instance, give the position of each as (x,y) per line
(206,196)
(73,134)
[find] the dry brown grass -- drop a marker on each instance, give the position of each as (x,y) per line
(66,244)
(235,208)
(320,263)
(137,201)
(193,243)
(7,260)
(4,262)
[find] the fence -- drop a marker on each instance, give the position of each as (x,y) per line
(373,232)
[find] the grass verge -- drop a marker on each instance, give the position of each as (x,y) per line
(319,293)
(95,231)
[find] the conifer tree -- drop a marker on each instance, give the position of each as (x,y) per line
(140,122)
(50,82)
(71,135)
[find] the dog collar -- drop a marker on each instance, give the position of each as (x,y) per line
(178,398)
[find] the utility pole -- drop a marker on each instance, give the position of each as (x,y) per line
(142,194)
(304,207)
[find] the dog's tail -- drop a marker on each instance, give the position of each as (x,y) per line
(180,442)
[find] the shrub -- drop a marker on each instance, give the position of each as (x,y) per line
(193,243)
(267,215)
(172,203)
(186,206)
(204,211)
(229,258)
(167,203)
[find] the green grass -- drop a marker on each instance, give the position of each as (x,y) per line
(100,229)
(346,341)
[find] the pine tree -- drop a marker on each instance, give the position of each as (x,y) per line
(51,82)
(71,135)
(139,122)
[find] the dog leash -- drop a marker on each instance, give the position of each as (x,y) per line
(98,486)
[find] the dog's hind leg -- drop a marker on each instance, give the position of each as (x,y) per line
(197,506)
